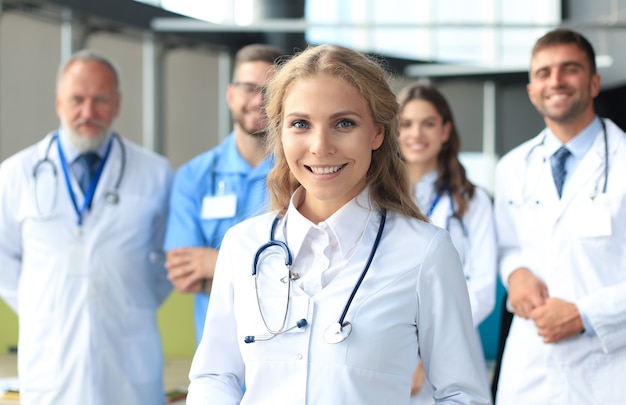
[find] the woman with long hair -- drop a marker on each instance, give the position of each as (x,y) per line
(331,297)
(429,145)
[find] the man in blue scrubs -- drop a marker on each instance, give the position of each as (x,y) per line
(222,186)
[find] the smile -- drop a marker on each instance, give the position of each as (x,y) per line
(325,170)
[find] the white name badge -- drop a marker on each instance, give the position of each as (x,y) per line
(221,206)
(75,259)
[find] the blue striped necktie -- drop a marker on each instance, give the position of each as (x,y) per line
(89,162)
(558,167)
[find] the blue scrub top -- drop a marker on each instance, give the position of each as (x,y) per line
(200,178)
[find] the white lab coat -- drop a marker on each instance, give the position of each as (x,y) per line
(475,240)
(476,243)
(88,335)
(413,299)
(577,246)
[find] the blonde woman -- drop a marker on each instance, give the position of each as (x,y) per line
(368,285)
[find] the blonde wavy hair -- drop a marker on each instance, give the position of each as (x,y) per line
(387,176)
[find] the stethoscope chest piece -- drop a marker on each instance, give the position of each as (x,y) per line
(112,198)
(337,333)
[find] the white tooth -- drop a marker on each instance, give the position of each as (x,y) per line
(325,170)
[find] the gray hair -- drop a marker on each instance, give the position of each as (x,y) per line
(88,55)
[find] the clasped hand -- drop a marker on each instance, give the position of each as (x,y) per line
(191,269)
(554,318)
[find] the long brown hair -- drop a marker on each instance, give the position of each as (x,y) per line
(451,173)
(386,177)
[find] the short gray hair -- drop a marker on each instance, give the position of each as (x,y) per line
(88,55)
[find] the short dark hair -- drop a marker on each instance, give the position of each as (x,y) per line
(257,53)
(566,36)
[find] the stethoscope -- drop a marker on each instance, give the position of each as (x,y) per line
(336,332)
(466,262)
(112,197)
(525,194)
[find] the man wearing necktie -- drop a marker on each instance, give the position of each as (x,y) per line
(85,167)
(560,204)
(87,280)
(559,172)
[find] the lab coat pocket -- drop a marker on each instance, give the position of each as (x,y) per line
(142,354)
(39,369)
(598,228)
(530,220)
(592,217)
(40,358)
(604,373)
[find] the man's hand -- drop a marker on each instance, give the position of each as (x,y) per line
(418,380)
(557,320)
(526,292)
(191,268)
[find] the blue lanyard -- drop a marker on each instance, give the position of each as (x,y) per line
(435,201)
(433,204)
(80,212)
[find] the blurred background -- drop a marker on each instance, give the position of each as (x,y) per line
(176,57)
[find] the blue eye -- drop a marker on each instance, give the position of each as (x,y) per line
(345,123)
(299,124)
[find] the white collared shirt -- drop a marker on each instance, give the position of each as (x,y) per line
(413,301)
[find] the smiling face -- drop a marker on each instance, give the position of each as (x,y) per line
(562,85)
(328,136)
(245,96)
(422,134)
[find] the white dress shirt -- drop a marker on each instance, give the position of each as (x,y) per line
(413,301)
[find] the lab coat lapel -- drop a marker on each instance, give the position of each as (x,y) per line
(585,177)
(539,189)
(110,172)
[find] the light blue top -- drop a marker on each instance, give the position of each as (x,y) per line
(221,170)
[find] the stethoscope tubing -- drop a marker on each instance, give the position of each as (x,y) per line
(339,333)
(606,157)
(111,196)
(383,217)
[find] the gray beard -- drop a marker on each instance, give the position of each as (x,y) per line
(84,144)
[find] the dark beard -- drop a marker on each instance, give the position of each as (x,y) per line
(261,134)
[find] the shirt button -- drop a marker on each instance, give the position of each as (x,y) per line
(300,356)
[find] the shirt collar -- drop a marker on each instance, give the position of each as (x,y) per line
(347,224)
(231,161)
(579,145)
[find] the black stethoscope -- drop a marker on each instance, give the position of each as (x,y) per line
(335,333)
(525,197)
(112,197)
